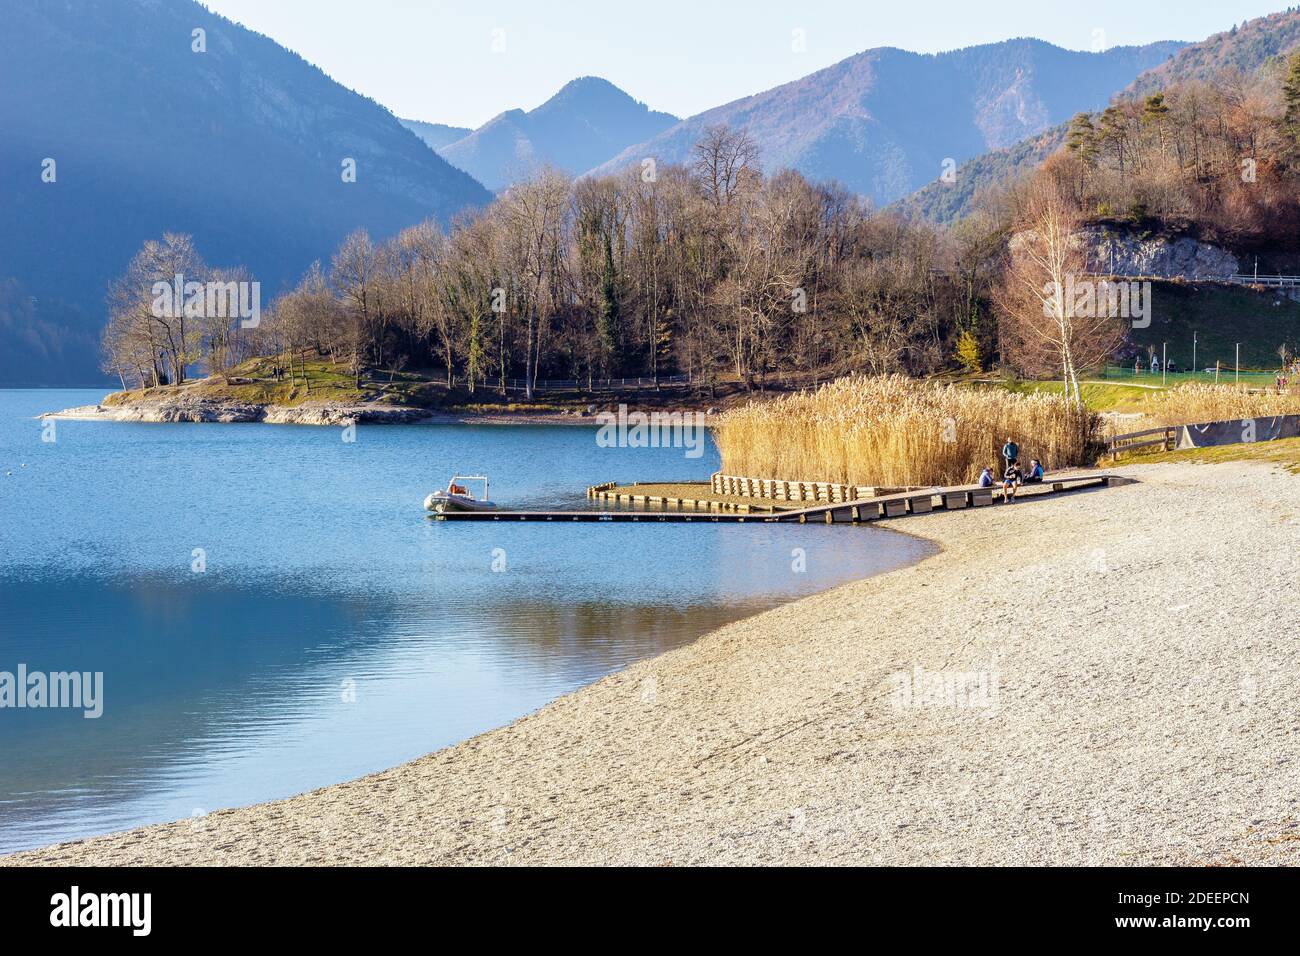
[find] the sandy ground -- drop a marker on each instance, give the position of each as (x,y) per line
(1108,678)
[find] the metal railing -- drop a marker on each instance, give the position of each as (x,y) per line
(1274,281)
(1226,374)
(1234,279)
(594,385)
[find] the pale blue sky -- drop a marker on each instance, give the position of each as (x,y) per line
(433,59)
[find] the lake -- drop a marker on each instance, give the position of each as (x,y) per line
(272,611)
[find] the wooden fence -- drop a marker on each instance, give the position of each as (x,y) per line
(1143,439)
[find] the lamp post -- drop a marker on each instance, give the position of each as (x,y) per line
(1193,350)
(1164,364)
(1238,363)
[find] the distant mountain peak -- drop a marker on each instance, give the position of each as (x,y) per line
(586,122)
(589,83)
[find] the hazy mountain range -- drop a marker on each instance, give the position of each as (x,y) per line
(241,145)
(437,135)
(586,123)
(883,122)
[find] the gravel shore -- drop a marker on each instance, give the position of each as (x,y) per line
(1105,678)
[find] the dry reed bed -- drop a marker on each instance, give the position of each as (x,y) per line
(894,430)
(1197,403)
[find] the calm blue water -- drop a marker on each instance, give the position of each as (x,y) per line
(335,630)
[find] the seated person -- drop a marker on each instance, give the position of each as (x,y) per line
(1035,473)
(1011,482)
(986,478)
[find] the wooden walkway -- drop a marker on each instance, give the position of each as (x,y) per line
(851,512)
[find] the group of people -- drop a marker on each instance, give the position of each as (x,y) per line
(1013,476)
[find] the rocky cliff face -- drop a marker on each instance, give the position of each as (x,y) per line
(1118,253)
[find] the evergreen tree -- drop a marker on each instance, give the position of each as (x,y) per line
(1112,134)
(1082,139)
(1155,109)
(1291,99)
(608,321)
(1156,112)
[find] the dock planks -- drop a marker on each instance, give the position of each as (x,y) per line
(852,512)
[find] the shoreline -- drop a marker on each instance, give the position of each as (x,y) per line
(191,409)
(1134,718)
(313,414)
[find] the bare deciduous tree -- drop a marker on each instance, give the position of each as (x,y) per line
(1043,329)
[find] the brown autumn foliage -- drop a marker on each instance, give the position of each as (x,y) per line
(1220,158)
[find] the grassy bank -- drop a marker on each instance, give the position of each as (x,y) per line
(254,381)
(1099,396)
(1285,452)
(319,380)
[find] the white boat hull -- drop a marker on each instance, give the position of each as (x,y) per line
(441,501)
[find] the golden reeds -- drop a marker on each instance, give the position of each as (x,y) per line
(897,431)
(1199,403)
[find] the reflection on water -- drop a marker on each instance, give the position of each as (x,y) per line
(335,630)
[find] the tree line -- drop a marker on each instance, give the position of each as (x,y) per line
(708,269)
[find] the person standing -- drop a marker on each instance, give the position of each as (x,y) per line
(1010,452)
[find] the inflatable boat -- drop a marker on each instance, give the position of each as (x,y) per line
(458,497)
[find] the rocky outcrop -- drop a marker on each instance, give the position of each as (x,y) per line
(325,414)
(204,409)
(1113,252)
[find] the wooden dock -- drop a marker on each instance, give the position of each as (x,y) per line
(864,511)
